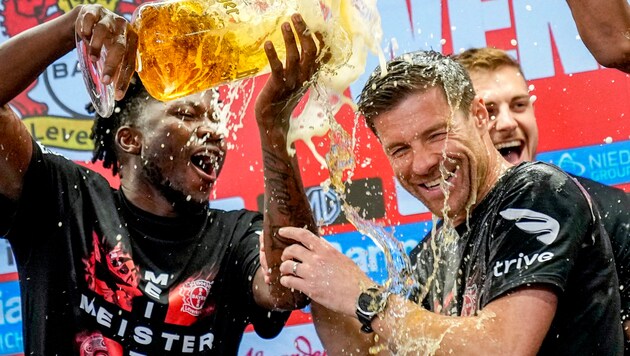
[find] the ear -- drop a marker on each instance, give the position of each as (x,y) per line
(480,113)
(129,140)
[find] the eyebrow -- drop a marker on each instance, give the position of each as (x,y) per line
(518,97)
(437,126)
(425,133)
(196,105)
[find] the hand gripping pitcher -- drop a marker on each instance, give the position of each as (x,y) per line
(186,46)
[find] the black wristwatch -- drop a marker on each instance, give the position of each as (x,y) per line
(369,304)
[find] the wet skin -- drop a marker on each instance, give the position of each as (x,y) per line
(180,149)
(416,138)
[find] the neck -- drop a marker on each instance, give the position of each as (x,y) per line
(148,199)
(488,177)
(497,166)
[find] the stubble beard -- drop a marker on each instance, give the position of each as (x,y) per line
(182,202)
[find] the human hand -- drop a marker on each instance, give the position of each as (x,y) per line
(286,84)
(100,28)
(314,267)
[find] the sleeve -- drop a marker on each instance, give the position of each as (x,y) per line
(53,195)
(540,226)
(267,323)
(616,218)
(36,195)
(614,208)
(8,210)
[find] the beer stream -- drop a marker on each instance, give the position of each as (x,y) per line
(212,51)
(317,119)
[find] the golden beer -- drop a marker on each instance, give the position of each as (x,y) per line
(192,45)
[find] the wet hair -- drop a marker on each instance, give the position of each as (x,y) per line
(414,73)
(486,58)
(104,129)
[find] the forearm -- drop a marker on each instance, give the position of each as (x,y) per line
(604,26)
(341,334)
(515,324)
(404,328)
(410,329)
(26,56)
(285,205)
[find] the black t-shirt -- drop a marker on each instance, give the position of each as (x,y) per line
(97,273)
(614,208)
(536,226)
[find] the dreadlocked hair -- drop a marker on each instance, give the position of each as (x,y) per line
(104,129)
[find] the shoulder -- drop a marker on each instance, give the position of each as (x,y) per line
(538,172)
(602,191)
(59,170)
(543,180)
(235,215)
(542,193)
(237,220)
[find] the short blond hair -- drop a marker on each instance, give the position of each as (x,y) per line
(486,58)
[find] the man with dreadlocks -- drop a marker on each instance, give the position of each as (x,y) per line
(519,263)
(147,269)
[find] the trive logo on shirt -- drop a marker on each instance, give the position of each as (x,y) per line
(523,261)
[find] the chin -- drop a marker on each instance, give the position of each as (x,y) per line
(198,196)
(185,200)
(190,206)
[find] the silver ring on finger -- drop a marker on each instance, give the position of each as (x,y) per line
(294,270)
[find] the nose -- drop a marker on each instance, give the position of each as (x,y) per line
(209,131)
(424,162)
(505,120)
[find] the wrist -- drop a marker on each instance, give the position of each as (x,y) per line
(69,27)
(369,304)
(274,139)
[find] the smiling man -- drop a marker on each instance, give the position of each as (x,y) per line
(517,265)
(150,268)
(499,80)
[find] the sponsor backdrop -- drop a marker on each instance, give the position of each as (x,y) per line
(581,109)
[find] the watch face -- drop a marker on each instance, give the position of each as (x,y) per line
(369,302)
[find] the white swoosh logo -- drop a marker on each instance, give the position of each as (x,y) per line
(534,222)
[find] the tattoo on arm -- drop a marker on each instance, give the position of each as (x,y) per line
(286,203)
(281,182)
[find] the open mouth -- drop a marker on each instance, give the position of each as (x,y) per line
(511,150)
(207,163)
